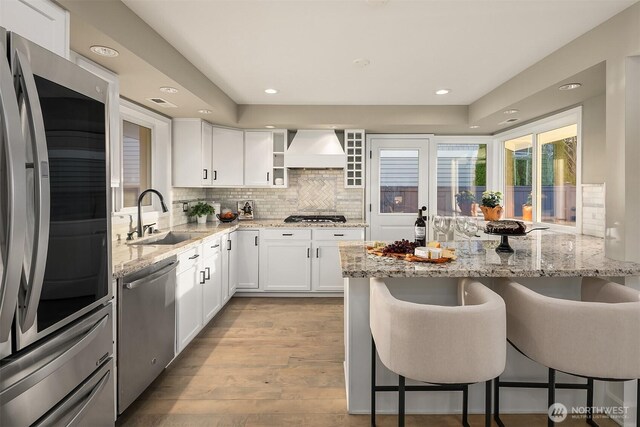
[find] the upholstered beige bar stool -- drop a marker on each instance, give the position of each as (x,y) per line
(597,338)
(447,347)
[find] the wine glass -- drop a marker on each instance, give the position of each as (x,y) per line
(460,224)
(471,228)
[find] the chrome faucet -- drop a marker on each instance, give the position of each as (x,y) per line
(140,230)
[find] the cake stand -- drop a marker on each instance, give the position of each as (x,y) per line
(504,246)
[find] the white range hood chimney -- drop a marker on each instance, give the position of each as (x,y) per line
(315,149)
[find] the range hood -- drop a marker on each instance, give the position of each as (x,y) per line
(315,149)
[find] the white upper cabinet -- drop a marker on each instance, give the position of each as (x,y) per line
(258,158)
(228,157)
(41,21)
(192,153)
(207,154)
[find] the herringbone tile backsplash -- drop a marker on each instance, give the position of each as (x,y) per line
(311,191)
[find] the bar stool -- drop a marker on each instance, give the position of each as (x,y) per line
(597,338)
(448,347)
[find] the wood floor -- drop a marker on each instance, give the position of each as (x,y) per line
(270,362)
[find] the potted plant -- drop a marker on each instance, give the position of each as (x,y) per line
(200,210)
(527,210)
(466,202)
(491,205)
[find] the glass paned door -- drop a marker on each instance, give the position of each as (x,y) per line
(399,186)
(461,178)
(518,177)
(558,151)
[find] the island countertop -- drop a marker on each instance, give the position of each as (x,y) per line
(539,254)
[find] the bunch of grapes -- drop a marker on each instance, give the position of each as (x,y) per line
(400,247)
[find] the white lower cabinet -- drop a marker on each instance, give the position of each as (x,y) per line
(212,286)
(326,272)
(188,298)
(206,281)
(248,253)
(285,260)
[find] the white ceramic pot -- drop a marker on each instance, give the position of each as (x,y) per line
(202,219)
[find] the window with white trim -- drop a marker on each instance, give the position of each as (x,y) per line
(541,171)
(145,147)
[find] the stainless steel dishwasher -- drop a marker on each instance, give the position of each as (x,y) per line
(146,328)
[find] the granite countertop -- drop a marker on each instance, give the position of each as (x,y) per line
(539,254)
(128,258)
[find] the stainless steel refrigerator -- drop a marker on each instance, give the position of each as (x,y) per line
(56,315)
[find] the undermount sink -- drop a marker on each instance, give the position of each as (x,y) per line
(170,238)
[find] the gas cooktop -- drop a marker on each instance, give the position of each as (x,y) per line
(315,218)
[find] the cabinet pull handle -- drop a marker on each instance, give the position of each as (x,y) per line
(256,241)
(202,279)
(208,273)
(228,245)
(215,175)
(268,177)
(205,174)
(195,256)
(338,235)
(308,252)
(287,234)
(317,252)
(215,246)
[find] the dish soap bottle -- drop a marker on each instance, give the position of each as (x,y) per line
(420,229)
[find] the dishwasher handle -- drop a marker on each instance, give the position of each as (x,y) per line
(162,272)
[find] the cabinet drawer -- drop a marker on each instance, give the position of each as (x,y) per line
(286,234)
(339,234)
(188,259)
(211,247)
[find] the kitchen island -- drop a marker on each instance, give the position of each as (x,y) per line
(550,263)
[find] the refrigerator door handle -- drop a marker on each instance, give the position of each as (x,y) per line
(79,410)
(16,189)
(35,377)
(34,277)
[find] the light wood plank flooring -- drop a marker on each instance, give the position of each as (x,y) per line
(270,362)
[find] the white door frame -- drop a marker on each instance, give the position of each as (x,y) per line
(369,195)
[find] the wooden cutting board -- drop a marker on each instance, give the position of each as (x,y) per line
(449,256)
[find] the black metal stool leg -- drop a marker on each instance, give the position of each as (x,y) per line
(373,382)
(487,403)
(552,393)
(589,401)
(638,404)
(496,402)
(465,406)
(400,401)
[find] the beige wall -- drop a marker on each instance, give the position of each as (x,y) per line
(594,140)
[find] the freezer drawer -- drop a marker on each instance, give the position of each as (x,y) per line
(34,382)
(91,404)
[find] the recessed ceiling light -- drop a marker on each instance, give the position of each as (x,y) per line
(570,86)
(104,51)
(361,62)
(271,91)
(474,127)
(443,91)
(511,111)
(270,127)
(204,111)
(168,89)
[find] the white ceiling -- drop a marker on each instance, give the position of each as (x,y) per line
(306,48)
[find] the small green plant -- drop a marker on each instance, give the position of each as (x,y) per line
(201,209)
(529,200)
(465,197)
(491,199)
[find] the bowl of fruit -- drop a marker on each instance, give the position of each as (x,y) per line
(227,216)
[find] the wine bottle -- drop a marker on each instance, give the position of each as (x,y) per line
(420,230)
